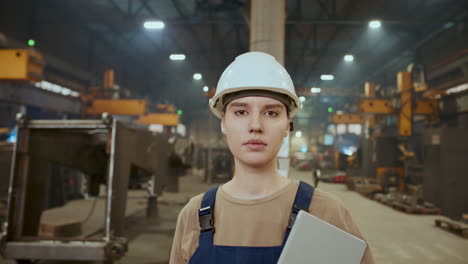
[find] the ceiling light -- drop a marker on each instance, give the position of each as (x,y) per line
(315,90)
(205,89)
(197,76)
(375,24)
(327,77)
(177,57)
(298,133)
(154,24)
(457,89)
(302,98)
(348,57)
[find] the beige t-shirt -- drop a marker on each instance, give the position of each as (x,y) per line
(255,223)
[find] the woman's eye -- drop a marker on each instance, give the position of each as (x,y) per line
(240,112)
(271,113)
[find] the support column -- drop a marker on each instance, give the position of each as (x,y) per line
(267,27)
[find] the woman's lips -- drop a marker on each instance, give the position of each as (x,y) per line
(255,145)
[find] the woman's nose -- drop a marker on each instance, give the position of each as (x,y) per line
(255,124)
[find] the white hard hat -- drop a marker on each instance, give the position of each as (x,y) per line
(255,71)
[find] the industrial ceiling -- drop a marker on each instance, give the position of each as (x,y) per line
(93,35)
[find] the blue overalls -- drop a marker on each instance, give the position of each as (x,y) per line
(208,253)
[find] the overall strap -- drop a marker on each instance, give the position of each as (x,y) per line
(206,218)
(301,202)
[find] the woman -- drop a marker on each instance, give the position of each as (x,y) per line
(255,100)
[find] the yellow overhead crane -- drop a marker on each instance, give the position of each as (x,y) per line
(407,107)
(98,101)
(348,119)
(166,116)
(21,64)
(27,65)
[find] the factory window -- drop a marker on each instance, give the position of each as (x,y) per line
(331,129)
(355,129)
(341,129)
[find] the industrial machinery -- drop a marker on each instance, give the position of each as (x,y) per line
(107,152)
(445,169)
(424,154)
(383,151)
(215,163)
(6,149)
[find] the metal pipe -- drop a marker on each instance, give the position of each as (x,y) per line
(110,181)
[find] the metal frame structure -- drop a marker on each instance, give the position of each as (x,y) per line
(67,142)
(27,94)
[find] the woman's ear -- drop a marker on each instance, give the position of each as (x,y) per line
(223,129)
(288,128)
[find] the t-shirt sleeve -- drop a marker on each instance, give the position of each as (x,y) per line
(330,208)
(351,228)
(176,250)
(187,231)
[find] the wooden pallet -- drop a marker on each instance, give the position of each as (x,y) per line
(407,208)
(454,227)
(368,189)
(415,209)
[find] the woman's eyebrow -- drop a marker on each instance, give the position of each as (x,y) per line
(237,104)
(271,106)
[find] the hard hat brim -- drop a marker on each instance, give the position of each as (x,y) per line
(217,105)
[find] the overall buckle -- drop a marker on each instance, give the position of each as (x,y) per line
(293,215)
(206,220)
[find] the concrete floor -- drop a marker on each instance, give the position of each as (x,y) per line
(394,237)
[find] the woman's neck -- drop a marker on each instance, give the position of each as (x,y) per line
(253,182)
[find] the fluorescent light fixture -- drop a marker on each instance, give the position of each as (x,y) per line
(375,24)
(457,89)
(298,133)
(197,76)
(205,89)
(302,98)
(315,90)
(153,24)
(348,57)
(56,89)
(327,77)
(177,57)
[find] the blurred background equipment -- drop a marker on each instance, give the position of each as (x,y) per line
(384,88)
(57,161)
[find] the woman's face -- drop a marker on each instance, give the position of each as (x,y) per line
(255,127)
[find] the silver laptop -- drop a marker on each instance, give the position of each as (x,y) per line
(313,240)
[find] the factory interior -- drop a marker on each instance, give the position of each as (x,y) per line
(106,132)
